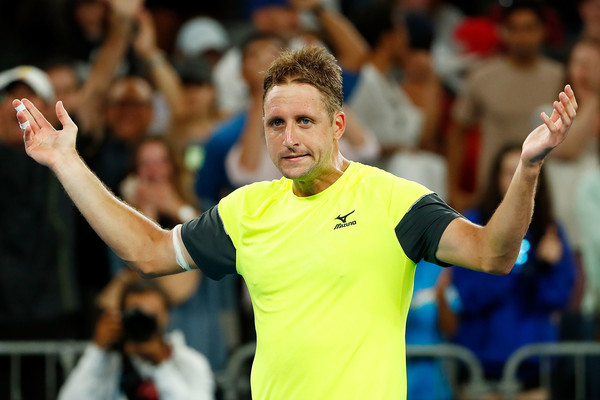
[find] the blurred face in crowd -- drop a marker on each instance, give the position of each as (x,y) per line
(278,20)
(589,10)
(508,167)
(523,34)
(10,132)
(65,84)
(584,67)
(396,43)
(200,99)
(151,303)
(153,161)
(129,109)
(258,56)
(91,17)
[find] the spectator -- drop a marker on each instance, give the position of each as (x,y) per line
(132,356)
(431,320)
(382,104)
(502,313)
(578,155)
(522,74)
(587,209)
(41,300)
(589,11)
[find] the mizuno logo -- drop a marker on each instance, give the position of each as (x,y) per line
(343,223)
(343,218)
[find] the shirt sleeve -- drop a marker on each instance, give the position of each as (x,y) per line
(209,245)
(421,228)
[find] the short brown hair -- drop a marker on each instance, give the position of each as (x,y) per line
(312,65)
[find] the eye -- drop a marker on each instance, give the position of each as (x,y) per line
(276,123)
(304,121)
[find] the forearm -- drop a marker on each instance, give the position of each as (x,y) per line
(502,236)
(350,47)
(252,143)
(168,82)
(103,70)
(132,236)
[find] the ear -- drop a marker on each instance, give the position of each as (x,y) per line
(339,122)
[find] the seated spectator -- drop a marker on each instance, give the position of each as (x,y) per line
(131,356)
(502,313)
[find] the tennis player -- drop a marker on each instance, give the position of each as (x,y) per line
(328,252)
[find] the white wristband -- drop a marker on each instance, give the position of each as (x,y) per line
(179,251)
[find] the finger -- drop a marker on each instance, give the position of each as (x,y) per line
(571,94)
(549,122)
(24,116)
(63,116)
(566,102)
(566,119)
(37,115)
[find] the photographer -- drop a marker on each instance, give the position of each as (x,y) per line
(132,358)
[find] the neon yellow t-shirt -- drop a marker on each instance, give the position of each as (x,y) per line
(329,282)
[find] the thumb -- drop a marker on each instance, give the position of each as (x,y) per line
(63,116)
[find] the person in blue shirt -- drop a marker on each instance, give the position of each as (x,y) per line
(502,313)
(430,321)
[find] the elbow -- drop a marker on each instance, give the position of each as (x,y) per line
(146,270)
(498,267)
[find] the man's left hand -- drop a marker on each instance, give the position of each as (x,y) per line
(552,132)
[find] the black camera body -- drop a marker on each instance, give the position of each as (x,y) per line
(138,326)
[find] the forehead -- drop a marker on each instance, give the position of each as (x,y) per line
(523,16)
(131,89)
(293,98)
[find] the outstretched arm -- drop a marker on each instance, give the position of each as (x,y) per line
(135,238)
(495,247)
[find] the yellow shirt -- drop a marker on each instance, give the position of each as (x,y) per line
(329,282)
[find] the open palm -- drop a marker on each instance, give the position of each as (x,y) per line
(554,129)
(43,143)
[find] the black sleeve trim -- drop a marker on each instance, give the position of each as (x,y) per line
(420,230)
(209,244)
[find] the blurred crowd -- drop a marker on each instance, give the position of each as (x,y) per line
(168,101)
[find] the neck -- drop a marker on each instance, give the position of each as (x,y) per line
(522,62)
(310,187)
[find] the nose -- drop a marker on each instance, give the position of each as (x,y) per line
(289,139)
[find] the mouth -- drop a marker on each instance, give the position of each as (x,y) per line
(294,157)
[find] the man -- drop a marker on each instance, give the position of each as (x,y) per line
(131,355)
(328,252)
(42,297)
(520,74)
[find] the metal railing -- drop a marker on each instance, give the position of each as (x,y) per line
(510,386)
(63,353)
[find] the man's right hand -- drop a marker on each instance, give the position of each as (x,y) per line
(43,143)
(109,329)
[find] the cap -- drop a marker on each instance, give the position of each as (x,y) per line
(193,70)
(33,77)
(199,35)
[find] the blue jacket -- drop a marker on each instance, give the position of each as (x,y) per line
(502,313)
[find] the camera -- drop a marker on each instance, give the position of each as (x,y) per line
(138,326)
